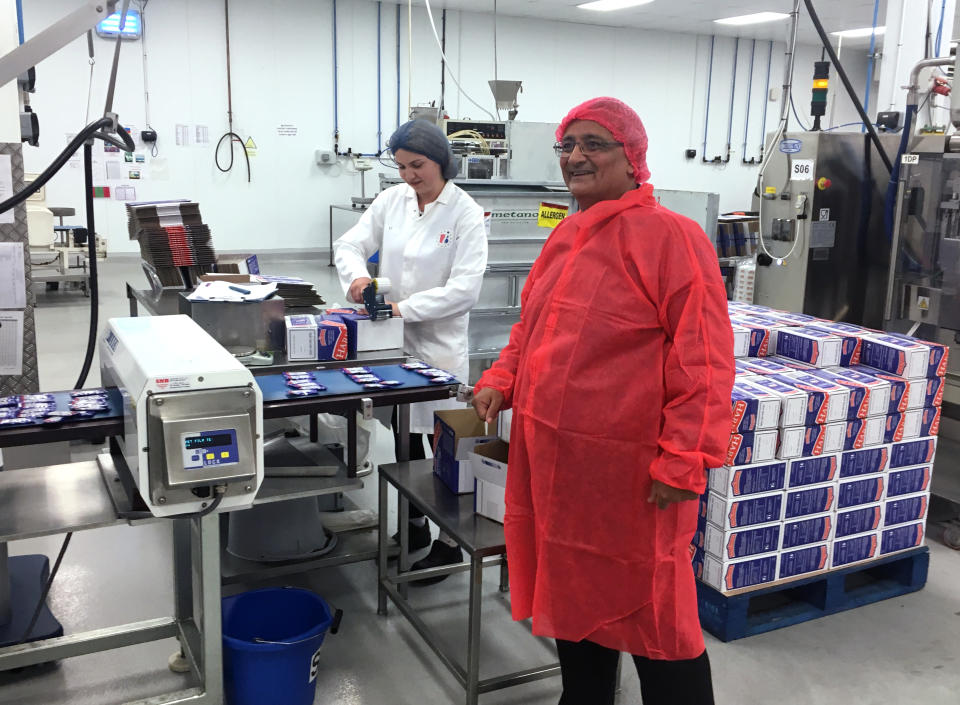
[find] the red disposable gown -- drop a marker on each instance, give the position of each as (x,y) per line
(619,372)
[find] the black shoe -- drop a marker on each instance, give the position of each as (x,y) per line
(440,554)
(418,536)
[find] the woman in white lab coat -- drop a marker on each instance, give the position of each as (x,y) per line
(433,249)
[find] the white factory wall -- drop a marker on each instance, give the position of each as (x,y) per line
(282,75)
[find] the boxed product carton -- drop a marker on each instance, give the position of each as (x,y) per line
(918,452)
(859,491)
(905,509)
(795,319)
(854,549)
(811,346)
(753,408)
(803,441)
(905,357)
(367,335)
(726,575)
(758,335)
(817,405)
(333,340)
(760,321)
(301,337)
(837,396)
(901,538)
(907,481)
(864,433)
(801,561)
(488,461)
(741,341)
(864,462)
(749,448)
(737,512)
(697,562)
(456,432)
(858,520)
(861,397)
(763,366)
(913,423)
(747,479)
(851,337)
(807,530)
(812,471)
(805,501)
(794,365)
(900,388)
(504,422)
(751,541)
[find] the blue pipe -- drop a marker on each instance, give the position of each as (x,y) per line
(943,8)
(398,66)
(733,94)
(766,103)
(894,185)
(873,44)
(20,21)
(336,112)
(379,92)
(746,124)
(706,119)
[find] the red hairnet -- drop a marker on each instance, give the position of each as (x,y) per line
(624,124)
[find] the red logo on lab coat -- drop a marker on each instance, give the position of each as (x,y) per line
(444,239)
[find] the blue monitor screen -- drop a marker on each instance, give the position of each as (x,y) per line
(110,27)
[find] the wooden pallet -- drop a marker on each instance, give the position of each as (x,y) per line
(730,617)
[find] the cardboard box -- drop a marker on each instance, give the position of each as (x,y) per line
(763,366)
(932,392)
(333,340)
(907,358)
(488,461)
(864,433)
(735,574)
(877,386)
(504,422)
(301,337)
(795,319)
(861,396)
(804,441)
(851,338)
(816,401)
(697,563)
(900,389)
(907,481)
(939,356)
(854,549)
(747,479)
(866,461)
(456,432)
(918,452)
(741,341)
(901,538)
(860,491)
(488,500)
(836,396)
(858,520)
(812,471)
(913,423)
(758,335)
(751,541)
(810,345)
(755,320)
(793,401)
(738,512)
(794,365)
(807,530)
(905,509)
(367,335)
(749,448)
(806,501)
(753,408)
(801,561)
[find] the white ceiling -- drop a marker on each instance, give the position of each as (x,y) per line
(688,16)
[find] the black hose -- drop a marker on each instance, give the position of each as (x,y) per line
(212,507)
(92,263)
(874,137)
(216,154)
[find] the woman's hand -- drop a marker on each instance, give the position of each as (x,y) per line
(395,308)
(356,289)
(664,495)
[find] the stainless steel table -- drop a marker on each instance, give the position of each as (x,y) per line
(336,207)
(481,539)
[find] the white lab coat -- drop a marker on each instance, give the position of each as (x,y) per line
(435,263)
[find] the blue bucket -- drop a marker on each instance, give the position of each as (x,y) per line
(271,643)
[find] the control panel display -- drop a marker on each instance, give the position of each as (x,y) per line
(209,448)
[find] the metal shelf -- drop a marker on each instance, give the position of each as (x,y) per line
(280,489)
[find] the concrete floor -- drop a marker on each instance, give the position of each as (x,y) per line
(904,650)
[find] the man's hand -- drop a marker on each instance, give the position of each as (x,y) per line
(356,289)
(665,495)
(487,403)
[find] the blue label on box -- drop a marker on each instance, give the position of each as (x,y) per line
(802,532)
(857,521)
(813,500)
(812,471)
(759,510)
(797,346)
(908,481)
(901,538)
(901,511)
(804,560)
(753,541)
(857,548)
(762,478)
(752,572)
(857,492)
(912,453)
(863,462)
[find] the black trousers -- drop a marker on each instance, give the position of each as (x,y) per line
(589,673)
(417,451)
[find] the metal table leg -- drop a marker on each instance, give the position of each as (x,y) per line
(5,614)
(382,548)
(473,630)
(208,535)
(504,576)
(404,562)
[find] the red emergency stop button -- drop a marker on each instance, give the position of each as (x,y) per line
(823,183)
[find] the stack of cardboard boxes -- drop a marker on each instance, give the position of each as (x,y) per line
(831,452)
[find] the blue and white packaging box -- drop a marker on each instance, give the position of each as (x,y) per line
(750,448)
(697,563)
(816,402)
(807,530)
(728,575)
(855,549)
(759,336)
(932,392)
(851,337)
(860,491)
(738,512)
(863,401)
(837,395)
(866,461)
(907,481)
(750,541)
(864,433)
(804,441)
(859,520)
(905,509)
(456,432)
(813,471)
(907,425)
(902,538)
(809,345)
(764,366)
(794,365)
(795,319)
(333,340)
(793,401)
(758,320)
(803,561)
(807,501)
(741,341)
(367,335)
(939,354)
(918,452)
(747,479)
(753,408)
(901,390)
(907,358)
(301,337)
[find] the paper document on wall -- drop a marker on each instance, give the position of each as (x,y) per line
(6,187)
(11,342)
(13,289)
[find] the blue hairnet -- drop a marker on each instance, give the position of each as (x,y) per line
(427,139)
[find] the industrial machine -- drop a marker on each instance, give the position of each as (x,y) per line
(482,148)
(193,419)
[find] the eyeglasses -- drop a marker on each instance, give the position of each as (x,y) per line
(588,146)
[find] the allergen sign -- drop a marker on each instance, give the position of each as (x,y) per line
(550,215)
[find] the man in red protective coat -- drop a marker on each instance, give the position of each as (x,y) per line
(619,374)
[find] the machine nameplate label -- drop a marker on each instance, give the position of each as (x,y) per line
(169,383)
(791,146)
(823,234)
(801,170)
(910,159)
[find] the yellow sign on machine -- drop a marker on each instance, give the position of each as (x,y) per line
(550,215)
